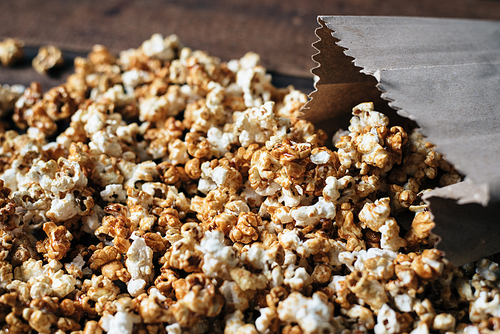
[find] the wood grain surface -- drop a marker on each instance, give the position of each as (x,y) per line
(281,31)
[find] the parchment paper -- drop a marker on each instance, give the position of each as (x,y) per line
(444,74)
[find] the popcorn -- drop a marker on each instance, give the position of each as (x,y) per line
(57,243)
(218,258)
(114,193)
(139,264)
(245,230)
(235,296)
(356,260)
(310,215)
(247,280)
(6,275)
(221,140)
(488,269)
(235,324)
(9,96)
(312,314)
(376,217)
(160,48)
(122,322)
(387,321)
(47,58)
(11,51)
(363,315)
(197,294)
(265,320)
(100,290)
(257,125)
(191,182)
(371,291)
(47,280)
(297,278)
(134,77)
(444,322)
(487,304)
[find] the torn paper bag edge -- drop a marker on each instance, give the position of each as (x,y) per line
(340,85)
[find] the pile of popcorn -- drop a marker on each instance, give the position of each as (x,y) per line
(165,191)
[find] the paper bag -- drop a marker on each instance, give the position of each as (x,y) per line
(443,74)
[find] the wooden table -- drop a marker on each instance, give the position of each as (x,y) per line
(281,31)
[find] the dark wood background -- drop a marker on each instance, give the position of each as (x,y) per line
(281,31)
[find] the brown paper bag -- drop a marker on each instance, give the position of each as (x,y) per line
(444,74)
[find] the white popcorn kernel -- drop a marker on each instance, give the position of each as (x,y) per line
(218,258)
(78,262)
(471,329)
(234,295)
(422,328)
(263,322)
(312,315)
(206,185)
(160,48)
(270,190)
(139,264)
(135,77)
(47,280)
(173,329)
(488,269)
(376,216)
(365,115)
(310,215)
(236,325)
(403,302)
(219,175)
(363,314)
(103,142)
(256,125)
(284,215)
(331,190)
(297,278)
(237,207)
(121,323)
(114,193)
(40,289)
(444,322)
(320,157)
(486,305)
(9,178)
(337,247)
(387,322)
(64,209)
(93,221)
(63,284)
(6,275)
(136,286)
(355,260)
(152,108)
(177,152)
(290,240)
(222,141)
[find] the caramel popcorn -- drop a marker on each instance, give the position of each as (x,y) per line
(11,51)
(185,196)
(9,96)
(47,58)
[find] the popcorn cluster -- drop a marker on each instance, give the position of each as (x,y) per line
(186,196)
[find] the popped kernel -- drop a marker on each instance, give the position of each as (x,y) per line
(11,51)
(9,96)
(47,58)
